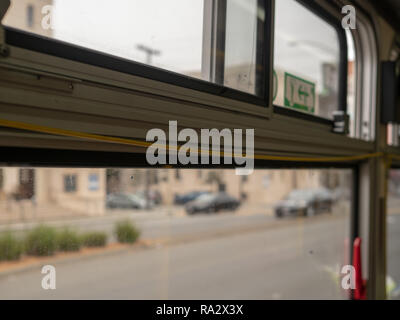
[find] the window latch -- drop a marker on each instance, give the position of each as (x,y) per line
(341,121)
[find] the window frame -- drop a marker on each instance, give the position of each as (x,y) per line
(329,18)
(106,160)
(367,96)
(41,44)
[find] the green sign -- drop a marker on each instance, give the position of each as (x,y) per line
(275,86)
(299,93)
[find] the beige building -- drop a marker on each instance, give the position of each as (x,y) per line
(27,15)
(53,192)
(67,192)
(80,190)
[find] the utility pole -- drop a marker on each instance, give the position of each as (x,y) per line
(150,52)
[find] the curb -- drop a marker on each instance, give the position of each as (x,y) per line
(75,256)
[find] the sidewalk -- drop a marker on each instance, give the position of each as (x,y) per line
(12,211)
(71,219)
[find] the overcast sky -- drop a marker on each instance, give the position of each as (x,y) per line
(175,27)
(172,26)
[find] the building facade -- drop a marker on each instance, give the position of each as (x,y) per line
(27,15)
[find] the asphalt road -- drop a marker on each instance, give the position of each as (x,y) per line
(218,257)
(294,259)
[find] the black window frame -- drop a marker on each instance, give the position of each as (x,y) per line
(34,42)
(319,11)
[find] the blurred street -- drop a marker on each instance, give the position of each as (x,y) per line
(218,256)
(262,264)
(228,256)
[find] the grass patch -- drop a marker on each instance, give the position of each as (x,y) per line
(126,232)
(94,239)
(10,247)
(68,240)
(41,241)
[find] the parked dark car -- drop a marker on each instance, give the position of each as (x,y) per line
(191,196)
(305,202)
(125,201)
(210,203)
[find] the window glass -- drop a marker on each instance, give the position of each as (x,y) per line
(393,236)
(209,236)
(138,30)
(26,184)
(93,182)
(307,59)
(221,44)
(29,17)
(243,59)
(70,183)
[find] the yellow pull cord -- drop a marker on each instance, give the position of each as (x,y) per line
(145,144)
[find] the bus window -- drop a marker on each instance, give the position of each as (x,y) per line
(393,231)
(244,53)
(137,30)
(220,42)
(307,60)
(278,234)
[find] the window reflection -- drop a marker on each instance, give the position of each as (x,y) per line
(307,59)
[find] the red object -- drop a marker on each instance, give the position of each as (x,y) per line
(360,292)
